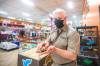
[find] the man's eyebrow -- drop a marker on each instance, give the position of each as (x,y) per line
(58,18)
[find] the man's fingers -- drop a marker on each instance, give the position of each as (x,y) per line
(42,53)
(38,49)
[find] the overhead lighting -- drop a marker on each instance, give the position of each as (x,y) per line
(25,14)
(74,16)
(3,12)
(70,5)
(28,2)
(29,19)
(11,17)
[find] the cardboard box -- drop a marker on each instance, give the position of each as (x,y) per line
(31,58)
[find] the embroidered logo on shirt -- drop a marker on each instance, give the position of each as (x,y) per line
(62,37)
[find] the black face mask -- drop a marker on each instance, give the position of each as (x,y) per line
(59,23)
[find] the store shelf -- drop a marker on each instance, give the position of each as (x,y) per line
(86,27)
(89,36)
(88,45)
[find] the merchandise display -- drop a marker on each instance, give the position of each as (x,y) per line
(8,45)
(8,40)
(27,46)
(88,46)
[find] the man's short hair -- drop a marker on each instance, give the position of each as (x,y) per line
(59,13)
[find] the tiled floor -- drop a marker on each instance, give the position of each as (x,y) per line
(8,58)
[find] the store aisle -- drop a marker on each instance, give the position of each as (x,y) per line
(8,58)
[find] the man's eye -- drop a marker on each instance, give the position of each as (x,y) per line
(58,18)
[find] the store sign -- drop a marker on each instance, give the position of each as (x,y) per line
(26,62)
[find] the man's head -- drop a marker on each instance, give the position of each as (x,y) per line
(59,16)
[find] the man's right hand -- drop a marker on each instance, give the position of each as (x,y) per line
(42,46)
(38,48)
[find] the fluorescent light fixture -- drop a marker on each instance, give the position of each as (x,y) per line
(11,17)
(74,16)
(3,12)
(70,4)
(28,2)
(25,14)
(29,19)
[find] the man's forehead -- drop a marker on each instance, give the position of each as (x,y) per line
(60,15)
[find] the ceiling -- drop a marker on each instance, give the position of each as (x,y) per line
(38,9)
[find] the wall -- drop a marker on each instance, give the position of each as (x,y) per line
(92,18)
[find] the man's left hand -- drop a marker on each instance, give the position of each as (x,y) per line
(51,49)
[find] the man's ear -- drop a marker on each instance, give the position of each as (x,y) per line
(65,17)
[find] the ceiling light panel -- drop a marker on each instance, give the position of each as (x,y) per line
(25,14)
(70,4)
(28,2)
(3,12)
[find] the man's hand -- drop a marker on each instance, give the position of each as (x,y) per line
(41,47)
(51,49)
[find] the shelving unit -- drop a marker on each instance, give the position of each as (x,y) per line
(89,46)
(8,40)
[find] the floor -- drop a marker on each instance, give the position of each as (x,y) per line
(8,58)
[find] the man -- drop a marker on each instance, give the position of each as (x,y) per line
(63,45)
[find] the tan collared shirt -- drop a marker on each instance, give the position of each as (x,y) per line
(67,40)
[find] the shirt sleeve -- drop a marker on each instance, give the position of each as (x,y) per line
(74,42)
